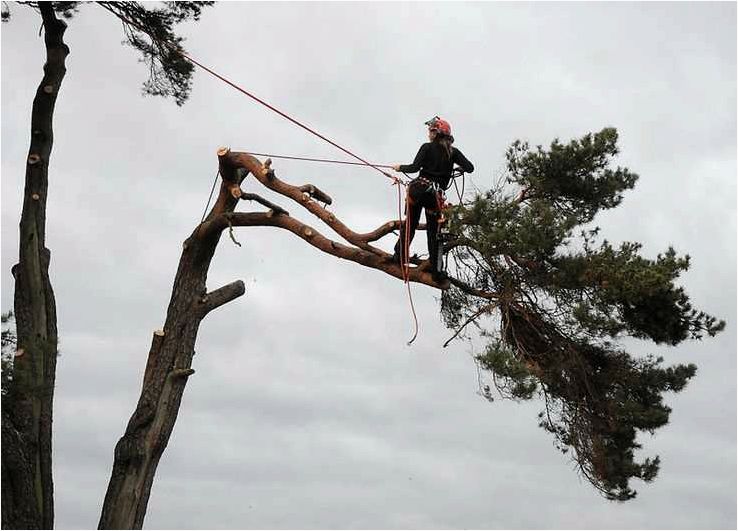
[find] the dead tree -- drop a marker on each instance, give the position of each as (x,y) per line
(169,364)
(28,492)
(27,408)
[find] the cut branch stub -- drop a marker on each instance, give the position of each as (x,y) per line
(229,167)
(276,209)
(360,250)
(316,193)
(182,373)
(223,295)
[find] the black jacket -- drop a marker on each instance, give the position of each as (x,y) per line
(432,163)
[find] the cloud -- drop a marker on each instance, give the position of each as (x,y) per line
(307,409)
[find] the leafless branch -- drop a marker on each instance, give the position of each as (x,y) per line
(472,318)
(262,201)
(222,296)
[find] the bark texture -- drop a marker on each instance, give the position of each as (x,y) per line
(168,368)
(358,247)
(27,485)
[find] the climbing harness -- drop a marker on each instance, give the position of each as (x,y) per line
(443,235)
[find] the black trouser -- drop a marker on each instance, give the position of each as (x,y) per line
(420,196)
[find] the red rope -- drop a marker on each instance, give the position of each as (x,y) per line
(252,96)
(284,115)
(396,181)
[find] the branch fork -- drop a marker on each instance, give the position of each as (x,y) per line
(356,247)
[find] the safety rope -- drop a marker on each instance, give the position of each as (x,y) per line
(287,117)
(395,180)
(405,264)
(215,181)
(331,161)
(463,183)
(181,52)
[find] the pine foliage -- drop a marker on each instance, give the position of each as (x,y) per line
(151,31)
(149,28)
(564,302)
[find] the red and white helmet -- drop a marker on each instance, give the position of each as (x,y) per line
(439,125)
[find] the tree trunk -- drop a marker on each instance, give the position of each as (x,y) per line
(27,486)
(137,453)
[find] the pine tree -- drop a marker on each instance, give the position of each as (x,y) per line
(564,302)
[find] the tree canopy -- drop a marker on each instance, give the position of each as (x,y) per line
(564,302)
(150,29)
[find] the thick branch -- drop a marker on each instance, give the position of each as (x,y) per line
(316,193)
(303,195)
(316,239)
(384,230)
(262,201)
(230,190)
(466,288)
(222,296)
(363,253)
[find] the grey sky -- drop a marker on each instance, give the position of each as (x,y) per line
(307,409)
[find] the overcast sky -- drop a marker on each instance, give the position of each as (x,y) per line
(308,410)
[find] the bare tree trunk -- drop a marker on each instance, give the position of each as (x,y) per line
(27,486)
(137,453)
(169,362)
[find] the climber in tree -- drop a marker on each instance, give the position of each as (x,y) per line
(435,162)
